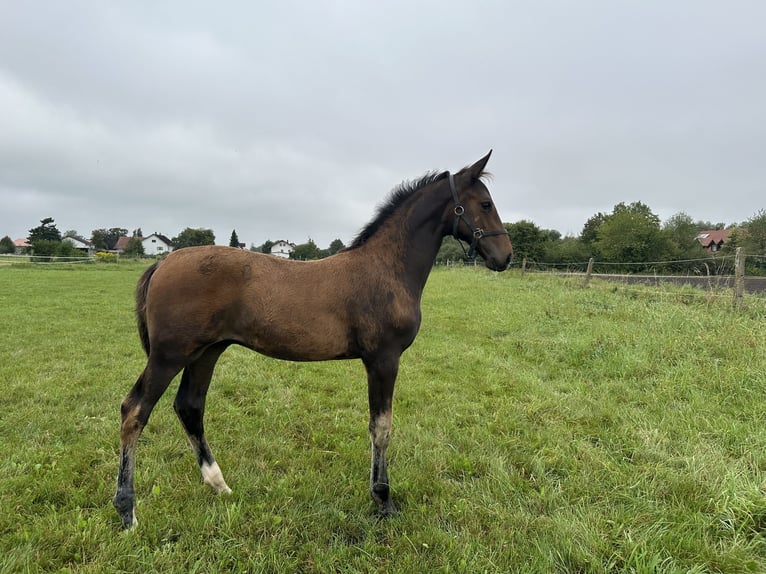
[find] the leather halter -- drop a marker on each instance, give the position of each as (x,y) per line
(477,232)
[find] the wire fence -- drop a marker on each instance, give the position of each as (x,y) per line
(716,274)
(9,259)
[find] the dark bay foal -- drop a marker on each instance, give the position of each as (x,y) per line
(362,303)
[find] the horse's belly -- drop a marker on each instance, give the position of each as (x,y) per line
(301,342)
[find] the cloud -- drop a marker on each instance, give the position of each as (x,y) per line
(293,120)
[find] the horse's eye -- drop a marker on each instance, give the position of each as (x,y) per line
(486,205)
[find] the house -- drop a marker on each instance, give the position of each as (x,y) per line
(282,249)
(21,246)
(81,244)
(122,243)
(154,244)
(713,239)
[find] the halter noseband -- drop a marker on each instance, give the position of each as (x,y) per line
(477,232)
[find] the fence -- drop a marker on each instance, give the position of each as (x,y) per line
(9,259)
(737,280)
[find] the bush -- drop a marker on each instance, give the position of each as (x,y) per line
(44,249)
(104,257)
(66,249)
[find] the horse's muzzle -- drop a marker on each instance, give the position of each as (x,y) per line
(498,265)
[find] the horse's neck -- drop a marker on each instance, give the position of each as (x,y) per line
(414,236)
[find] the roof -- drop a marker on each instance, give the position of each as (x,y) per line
(21,243)
(77,239)
(122,243)
(713,236)
(158,236)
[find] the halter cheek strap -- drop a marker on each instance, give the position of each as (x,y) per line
(477,232)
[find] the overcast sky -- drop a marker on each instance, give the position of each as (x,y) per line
(294,119)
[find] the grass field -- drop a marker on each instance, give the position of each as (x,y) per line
(538,427)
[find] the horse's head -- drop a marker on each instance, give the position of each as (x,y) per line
(475,219)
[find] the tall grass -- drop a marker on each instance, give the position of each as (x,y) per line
(538,427)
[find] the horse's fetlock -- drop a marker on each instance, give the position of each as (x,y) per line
(123,501)
(380,492)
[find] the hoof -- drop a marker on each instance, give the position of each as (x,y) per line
(128,520)
(382,495)
(387,510)
(125,506)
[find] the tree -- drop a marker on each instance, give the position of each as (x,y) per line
(192,237)
(640,209)
(552,234)
(106,239)
(566,250)
(335,246)
(681,232)
(589,233)
(306,251)
(6,245)
(234,241)
(134,247)
(707,225)
(266,247)
(527,239)
(46,231)
(45,239)
(631,235)
(754,240)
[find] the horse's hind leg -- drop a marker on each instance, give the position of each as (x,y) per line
(135,411)
(190,408)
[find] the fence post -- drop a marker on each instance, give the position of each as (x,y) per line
(588,273)
(523,267)
(739,276)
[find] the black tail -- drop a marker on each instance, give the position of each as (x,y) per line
(141,289)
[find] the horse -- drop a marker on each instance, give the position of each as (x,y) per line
(361,303)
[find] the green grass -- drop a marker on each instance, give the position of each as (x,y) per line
(538,427)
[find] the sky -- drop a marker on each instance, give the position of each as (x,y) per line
(294,119)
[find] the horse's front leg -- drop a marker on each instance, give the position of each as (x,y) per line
(381,376)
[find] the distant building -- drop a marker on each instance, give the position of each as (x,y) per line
(154,244)
(21,246)
(713,239)
(81,244)
(282,249)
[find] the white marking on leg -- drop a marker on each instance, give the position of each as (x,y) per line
(213,477)
(381,432)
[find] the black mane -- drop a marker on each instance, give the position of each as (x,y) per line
(396,198)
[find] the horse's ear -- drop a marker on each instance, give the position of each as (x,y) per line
(477,169)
